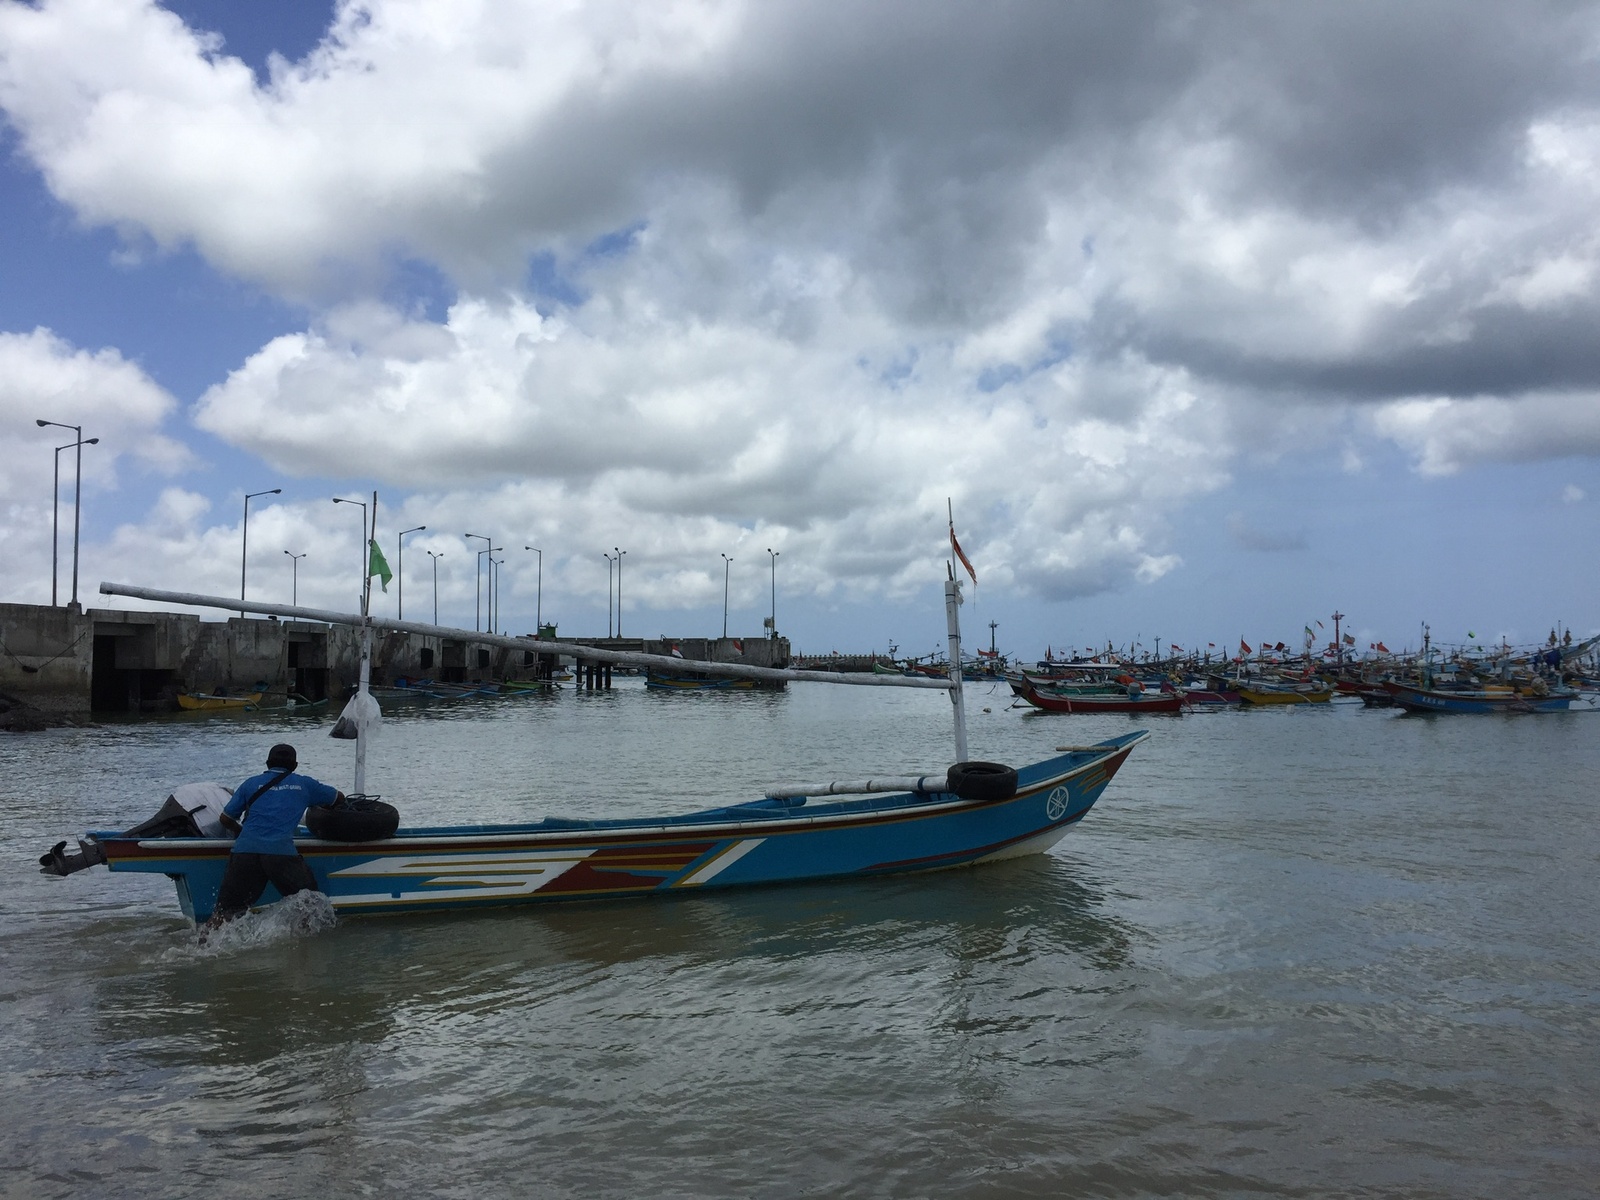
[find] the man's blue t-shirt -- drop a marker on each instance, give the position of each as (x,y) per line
(269,829)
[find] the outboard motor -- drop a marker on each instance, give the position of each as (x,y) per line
(193,810)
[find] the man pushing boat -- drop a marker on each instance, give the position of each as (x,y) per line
(264,812)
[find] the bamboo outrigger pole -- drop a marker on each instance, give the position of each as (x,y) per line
(570,649)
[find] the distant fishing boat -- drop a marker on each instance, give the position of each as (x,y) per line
(665,681)
(1102,701)
(1199,697)
(968,813)
(1500,700)
(1305,693)
(197,702)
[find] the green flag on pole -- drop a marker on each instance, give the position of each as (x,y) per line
(378,565)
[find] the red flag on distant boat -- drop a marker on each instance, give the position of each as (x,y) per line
(1244,647)
(676,653)
(738,645)
(1382,649)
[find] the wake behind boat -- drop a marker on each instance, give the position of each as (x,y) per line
(969,813)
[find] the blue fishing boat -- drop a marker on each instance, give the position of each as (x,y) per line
(1414,698)
(924,824)
(962,815)
(1427,695)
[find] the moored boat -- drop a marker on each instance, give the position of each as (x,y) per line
(1263,694)
(1414,698)
(198,702)
(693,681)
(1102,701)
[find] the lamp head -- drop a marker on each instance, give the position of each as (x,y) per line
(91,442)
(41,422)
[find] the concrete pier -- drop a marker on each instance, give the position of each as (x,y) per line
(69,663)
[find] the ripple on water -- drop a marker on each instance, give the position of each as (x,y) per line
(1288,954)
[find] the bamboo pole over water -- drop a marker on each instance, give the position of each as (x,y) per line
(540,646)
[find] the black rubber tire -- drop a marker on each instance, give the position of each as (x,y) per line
(353,821)
(983,781)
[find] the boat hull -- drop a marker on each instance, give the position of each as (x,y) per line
(658,682)
(1263,697)
(1150,702)
(767,842)
(1427,700)
(195,703)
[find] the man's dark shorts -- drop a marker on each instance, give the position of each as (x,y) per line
(247,877)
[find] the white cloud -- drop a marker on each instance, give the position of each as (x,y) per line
(1068,267)
(42,377)
(1447,435)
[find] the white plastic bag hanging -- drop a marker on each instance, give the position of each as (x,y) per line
(361,718)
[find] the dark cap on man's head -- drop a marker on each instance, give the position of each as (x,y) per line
(282,756)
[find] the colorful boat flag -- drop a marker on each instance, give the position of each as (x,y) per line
(1349,640)
(961,554)
(1382,649)
(1244,646)
(378,565)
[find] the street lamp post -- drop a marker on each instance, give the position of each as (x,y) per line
(55,509)
(477,582)
(773,622)
(77,493)
(620,553)
(294,576)
(400,568)
(244,536)
(609,562)
(726,563)
(436,558)
(494,589)
(361,591)
(538,593)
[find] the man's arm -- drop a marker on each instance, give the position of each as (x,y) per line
(229,817)
(323,794)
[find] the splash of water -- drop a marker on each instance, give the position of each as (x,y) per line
(304,914)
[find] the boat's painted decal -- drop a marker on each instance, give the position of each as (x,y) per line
(457,876)
(729,855)
(626,869)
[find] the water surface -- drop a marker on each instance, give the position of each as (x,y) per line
(1297,952)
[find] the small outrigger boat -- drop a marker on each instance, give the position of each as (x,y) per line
(1414,698)
(196,702)
(1103,701)
(1304,693)
(971,812)
(1444,696)
(691,681)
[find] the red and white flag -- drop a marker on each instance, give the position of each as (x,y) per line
(962,555)
(955,546)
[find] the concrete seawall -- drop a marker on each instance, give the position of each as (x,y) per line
(70,664)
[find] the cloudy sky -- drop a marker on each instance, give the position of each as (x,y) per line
(1210,318)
